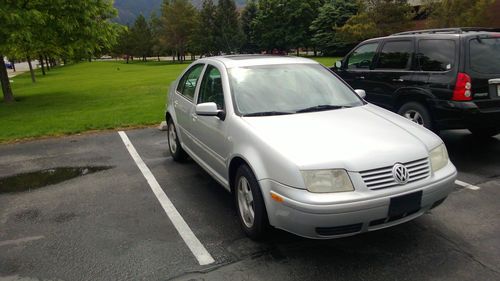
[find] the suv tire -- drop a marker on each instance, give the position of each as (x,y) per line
(417,113)
(250,205)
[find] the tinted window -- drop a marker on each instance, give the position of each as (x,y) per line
(187,85)
(485,55)
(395,55)
(211,87)
(436,55)
(362,57)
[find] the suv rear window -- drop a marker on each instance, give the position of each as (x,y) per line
(395,55)
(436,55)
(485,55)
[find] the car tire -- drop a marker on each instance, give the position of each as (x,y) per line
(174,145)
(417,113)
(484,132)
(249,202)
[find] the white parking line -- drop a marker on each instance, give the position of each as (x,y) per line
(198,250)
(20,240)
(467,185)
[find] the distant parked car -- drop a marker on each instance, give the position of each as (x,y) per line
(439,78)
(301,150)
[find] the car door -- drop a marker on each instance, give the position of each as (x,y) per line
(184,102)
(392,71)
(209,132)
(356,67)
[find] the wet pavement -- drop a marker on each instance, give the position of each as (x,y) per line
(108,225)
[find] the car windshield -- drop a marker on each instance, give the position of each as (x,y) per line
(286,89)
(485,55)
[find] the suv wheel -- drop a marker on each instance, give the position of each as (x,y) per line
(484,132)
(417,113)
(174,146)
(250,204)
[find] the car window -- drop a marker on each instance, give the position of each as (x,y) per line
(362,57)
(187,84)
(395,55)
(436,55)
(485,55)
(211,87)
(288,88)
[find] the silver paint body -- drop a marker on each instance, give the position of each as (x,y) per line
(277,148)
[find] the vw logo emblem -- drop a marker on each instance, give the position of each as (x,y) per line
(400,173)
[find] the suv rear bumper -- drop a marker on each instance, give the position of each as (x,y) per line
(463,115)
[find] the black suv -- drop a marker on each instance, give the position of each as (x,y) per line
(439,78)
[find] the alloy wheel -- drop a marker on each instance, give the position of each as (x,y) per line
(245,202)
(414,116)
(172,138)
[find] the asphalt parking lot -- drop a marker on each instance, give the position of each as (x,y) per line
(108,224)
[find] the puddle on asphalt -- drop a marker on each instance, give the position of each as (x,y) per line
(38,179)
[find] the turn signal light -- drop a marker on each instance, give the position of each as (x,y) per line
(463,88)
(276,197)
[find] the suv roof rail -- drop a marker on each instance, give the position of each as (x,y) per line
(455,30)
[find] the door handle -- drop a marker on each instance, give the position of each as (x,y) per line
(397,80)
(176,103)
(361,77)
(194,117)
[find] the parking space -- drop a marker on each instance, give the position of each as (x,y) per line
(110,225)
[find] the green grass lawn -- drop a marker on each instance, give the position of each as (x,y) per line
(89,96)
(326,61)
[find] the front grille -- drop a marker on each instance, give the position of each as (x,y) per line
(383,178)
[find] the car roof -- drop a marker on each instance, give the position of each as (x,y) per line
(232,61)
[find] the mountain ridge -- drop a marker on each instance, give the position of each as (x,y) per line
(128,10)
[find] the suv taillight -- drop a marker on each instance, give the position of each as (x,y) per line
(463,88)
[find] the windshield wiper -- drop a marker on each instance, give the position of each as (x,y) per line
(321,107)
(267,113)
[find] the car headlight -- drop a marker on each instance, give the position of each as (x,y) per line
(327,181)
(439,157)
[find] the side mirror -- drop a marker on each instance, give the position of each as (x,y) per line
(210,109)
(361,93)
(338,64)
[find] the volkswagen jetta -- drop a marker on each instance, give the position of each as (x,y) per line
(301,150)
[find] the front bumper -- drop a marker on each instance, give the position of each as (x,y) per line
(324,216)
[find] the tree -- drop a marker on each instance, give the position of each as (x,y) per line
(204,39)
(123,44)
(156,28)
(247,18)
(228,33)
(332,16)
(457,13)
(178,23)
(283,25)
(141,38)
(377,18)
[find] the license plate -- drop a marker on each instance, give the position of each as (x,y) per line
(405,204)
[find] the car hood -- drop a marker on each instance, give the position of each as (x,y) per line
(355,139)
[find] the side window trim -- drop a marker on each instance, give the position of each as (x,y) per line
(206,72)
(409,64)
(375,57)
(182,82)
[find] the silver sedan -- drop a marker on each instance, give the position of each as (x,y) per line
(302,151)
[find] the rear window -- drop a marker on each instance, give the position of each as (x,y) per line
(485,55)
(436,55)
(395,55)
